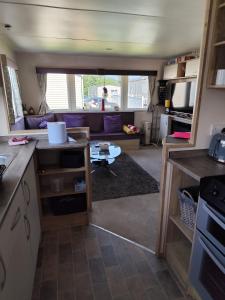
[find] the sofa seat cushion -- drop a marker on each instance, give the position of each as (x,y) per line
(113,136)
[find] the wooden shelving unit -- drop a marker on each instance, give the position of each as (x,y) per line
(217,44)
(48,166)
(179,238)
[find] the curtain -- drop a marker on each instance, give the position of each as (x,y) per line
(151,84)
(9,96)
(42,81)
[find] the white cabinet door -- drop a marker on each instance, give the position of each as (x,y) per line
(32,209)
(170,72)
(15,255)
(192,67)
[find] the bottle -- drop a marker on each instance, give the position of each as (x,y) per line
(167,106)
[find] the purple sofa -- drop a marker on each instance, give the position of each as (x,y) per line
(95,120)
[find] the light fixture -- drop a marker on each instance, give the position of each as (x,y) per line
(108,49)
(7,26)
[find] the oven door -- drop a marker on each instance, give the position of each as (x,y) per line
(207,271)
(212,224)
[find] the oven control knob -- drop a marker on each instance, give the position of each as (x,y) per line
(215,192)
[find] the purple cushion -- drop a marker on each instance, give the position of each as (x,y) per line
(33,122)
(43,124)
(75,121)
(112,124)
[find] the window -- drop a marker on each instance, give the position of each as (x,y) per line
(16,98)
(93,91)
(138,92)
(57,91)
(81,91)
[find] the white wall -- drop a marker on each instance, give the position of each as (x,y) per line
(27,62)
(6,47)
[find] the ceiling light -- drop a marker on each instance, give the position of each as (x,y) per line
(108,49)
(8,26)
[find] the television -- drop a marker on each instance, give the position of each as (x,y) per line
(183,96)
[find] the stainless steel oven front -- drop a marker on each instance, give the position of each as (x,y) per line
(207,272)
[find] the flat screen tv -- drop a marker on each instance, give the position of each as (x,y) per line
(183,96)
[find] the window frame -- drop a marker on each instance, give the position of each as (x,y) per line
(71,91)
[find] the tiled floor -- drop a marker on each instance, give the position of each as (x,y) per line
(88,263)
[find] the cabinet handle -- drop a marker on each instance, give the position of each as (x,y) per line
(2,284)
(25,184)
(16,219)
(28,226)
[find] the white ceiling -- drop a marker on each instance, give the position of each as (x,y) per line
(145,28)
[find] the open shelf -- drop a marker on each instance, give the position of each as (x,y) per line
(188,233)
(51,170)
(68,190)
(222,5)
(216,86)
(178,257)
(221,43)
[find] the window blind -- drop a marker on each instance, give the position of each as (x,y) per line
(57,91)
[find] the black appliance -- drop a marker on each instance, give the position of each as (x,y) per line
(162,91)
(217,147)
(207,272)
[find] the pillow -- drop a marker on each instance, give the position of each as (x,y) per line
(112,124)
(43,125)
(33,122)
(75,121)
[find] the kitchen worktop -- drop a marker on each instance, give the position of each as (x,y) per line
(197,163)
(21,156)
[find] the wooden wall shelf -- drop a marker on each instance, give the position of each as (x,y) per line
(188,233)
(67,190)
(222,5)
(51,170)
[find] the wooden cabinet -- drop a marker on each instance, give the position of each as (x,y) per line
(31,208)
(174,71)
(15,256)
(186,69)
(216,72)
(20,237)
(50,168)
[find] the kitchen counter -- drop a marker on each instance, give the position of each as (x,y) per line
(197,163)
(21,156)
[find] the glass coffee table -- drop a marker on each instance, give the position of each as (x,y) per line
(104,158)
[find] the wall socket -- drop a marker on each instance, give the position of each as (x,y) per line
(216,128)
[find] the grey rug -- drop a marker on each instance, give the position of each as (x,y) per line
(131,180)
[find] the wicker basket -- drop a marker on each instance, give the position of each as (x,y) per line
(188,199)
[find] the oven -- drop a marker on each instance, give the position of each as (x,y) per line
(207,271)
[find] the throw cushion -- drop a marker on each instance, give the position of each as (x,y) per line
(75,121)
(112,124)
(33,122)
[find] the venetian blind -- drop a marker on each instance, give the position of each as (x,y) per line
(57,91)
